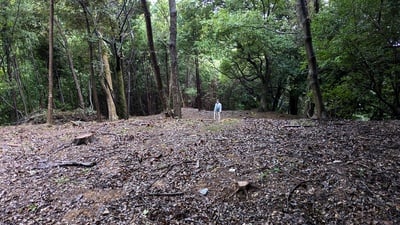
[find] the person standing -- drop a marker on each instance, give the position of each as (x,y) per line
(217,110)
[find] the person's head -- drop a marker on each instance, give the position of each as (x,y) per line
(217,101)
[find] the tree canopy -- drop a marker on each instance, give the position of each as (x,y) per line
(248,54)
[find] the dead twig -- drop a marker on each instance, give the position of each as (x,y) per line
(68,163)
(13,145)
(169,168)
(63,146)
(293,190)
(75,163)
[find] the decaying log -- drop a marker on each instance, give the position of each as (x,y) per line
(85,138)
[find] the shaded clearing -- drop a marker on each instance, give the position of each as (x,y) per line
(245,169)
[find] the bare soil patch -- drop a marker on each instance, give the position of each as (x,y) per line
(250,168)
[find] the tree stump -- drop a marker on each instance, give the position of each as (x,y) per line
(243,185)
(85,138)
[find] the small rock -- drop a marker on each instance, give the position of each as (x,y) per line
(203,191)
(106,212)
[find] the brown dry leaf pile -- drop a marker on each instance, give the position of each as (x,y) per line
(244,170)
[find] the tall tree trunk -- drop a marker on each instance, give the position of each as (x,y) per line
(199,101)
(264,74)
(93,83)
(13,115)
(12,70)
(71,64)
(176,98)
(91,59)
(50,97)
(153,56)
(168,75)
(148,97)
(185,97)
(129,93)
(57,80)
(293,103)
(38,79)
(304,19)
(107,85)
(131,68)
(121,97)
(18,81)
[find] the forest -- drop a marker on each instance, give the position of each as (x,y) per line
(115,59)
(106,112)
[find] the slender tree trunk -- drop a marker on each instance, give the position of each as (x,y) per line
(263,101)
(168,75)
(11,70)
(199,101)
(185,97)
(176,99)
(129,93)
(13,94)
(264,74)
(108,87)
(20,85)
(71,65)
(277,96)
(148,99)
(132,68)
(59,88)
(14,115)
(50,97)
(153,56)
(121,97)
(39,79)
(304,20)
(93,82)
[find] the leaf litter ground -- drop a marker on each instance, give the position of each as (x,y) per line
(152,170)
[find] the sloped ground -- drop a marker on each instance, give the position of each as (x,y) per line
(152,170)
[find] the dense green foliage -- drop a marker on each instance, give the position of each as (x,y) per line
(249,54)
(359,55)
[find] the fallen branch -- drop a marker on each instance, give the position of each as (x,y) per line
(294,189)
(169,168)
(74,163)
(63,146)
(297,126)
(13,145)
(67,163)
